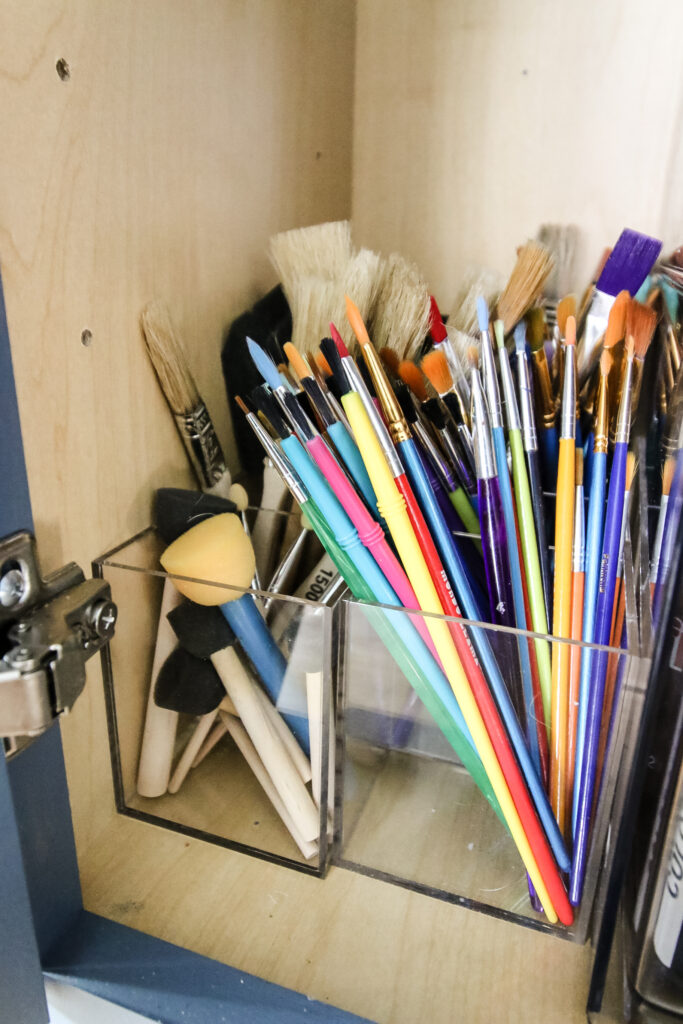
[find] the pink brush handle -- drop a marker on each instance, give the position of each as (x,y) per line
(369,531)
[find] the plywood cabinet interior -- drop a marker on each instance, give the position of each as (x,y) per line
(180,136)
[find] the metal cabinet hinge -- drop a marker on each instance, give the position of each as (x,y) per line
(48,630)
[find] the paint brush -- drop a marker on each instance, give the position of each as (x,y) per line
(189,410)
(531,270)
(603,613)
(442,426)
(546,407)
(578,588)
(627,266)
(435,367)
(667,478)
(525,515)
(562,592)
(336,431)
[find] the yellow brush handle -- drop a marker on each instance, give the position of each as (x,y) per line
(392,508)
(562,611)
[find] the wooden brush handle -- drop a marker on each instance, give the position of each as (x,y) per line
(191,750)
(215,736)
(158,737)
(248,751)
(279,765)
(301,762)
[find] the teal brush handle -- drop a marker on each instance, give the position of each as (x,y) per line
(351,457)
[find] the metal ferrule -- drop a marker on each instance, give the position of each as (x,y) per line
(624,414)
(526,403)
(595,327)
(202,445)
(440,464)
(398,428)
(568,420)
(278,459)
(490,380)
(481,432)
(509,391)
(356,382)
(579,538)
(544,392)
(601,428)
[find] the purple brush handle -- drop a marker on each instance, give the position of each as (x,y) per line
(370,532)
(496,560)
(601,635)
(499,580)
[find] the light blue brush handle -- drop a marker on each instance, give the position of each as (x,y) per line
(347,537)
(351,457)
(517,590)
(594,529)
(456,572)
(258,644)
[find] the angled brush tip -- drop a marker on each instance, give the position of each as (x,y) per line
(435,368)
(339,341)
(482,314)
(570,331)
(437,327)
(641,321)
(241,405)
(411,375)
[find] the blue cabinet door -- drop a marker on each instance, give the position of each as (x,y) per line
(22,995)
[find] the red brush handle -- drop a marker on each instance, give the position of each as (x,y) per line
(489,712)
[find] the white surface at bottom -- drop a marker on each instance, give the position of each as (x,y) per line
(68,1005)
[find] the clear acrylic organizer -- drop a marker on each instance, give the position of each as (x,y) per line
(396,803)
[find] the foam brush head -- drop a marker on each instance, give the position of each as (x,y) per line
(201,631)
(188,685)
(216,549)
(176,510)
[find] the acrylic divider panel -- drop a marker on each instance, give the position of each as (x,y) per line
(407,809)
(256,775)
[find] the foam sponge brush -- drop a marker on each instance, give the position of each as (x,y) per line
(188,685)
(216,549)
(176,510)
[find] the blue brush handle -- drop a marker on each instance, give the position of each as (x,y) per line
(347,538)
(594,529)
(456,572)
(517,590)
(256,640)
(351,457)
(551,450)
(601,632)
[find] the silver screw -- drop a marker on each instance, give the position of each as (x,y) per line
(101,618)
(12,588)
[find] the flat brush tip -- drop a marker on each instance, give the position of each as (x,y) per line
(411,375)
(482,314)
(323,364)
(570,331)
(241,405)
(297,361)
(473,356)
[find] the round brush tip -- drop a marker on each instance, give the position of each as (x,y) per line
(570,331)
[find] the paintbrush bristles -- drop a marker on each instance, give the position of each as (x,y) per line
(561,240)
(616,322)
(640,325)
(169,359)
(463,314)
(411,375)
(435,368)
(321,250)
(566,307)
(534,264)
(630,469)
(668,475)
(402,310)
(605,363)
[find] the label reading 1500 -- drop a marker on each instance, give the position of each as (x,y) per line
(319,585)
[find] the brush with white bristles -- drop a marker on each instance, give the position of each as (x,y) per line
(462,318)
(561,241)
(402,308)
(321,250)
(191,416)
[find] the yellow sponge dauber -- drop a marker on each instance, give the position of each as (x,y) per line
(216,549)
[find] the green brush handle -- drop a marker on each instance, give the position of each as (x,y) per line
(389,634)
(532,565)
(463,506)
